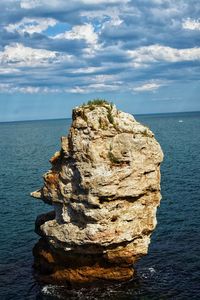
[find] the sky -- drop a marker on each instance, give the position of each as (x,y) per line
(143,55)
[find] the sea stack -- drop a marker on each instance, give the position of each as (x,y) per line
(104,188)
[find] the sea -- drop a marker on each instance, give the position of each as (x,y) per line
(171,270)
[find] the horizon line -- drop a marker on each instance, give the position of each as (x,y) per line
(68,118)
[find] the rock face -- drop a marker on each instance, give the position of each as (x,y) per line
(104,186)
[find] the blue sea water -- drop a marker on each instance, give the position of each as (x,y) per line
(171,270)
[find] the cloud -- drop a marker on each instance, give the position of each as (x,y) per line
(191,24)
(91,88)
(84,46)
(77,90)
(103,1)
(11,89)
(85,32)
(30,4)
(82,32)
(88,70)
(8,71)
(97,87)
(159,53)
(31,25)
(147,87)
(4,88)
(110,17)
(19,55)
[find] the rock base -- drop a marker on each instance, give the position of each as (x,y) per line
(55,266)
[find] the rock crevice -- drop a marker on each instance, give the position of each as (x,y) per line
(104,186)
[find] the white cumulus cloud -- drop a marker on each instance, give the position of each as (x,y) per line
(31,25)
(20,55)
(191,24)
(156,53)
(85,32)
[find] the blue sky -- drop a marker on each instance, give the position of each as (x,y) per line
(141,54)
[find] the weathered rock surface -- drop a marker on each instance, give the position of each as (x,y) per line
(104,186)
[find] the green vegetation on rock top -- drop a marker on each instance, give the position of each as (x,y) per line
(97,102)
(91,104)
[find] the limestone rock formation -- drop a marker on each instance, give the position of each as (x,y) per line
(104,186)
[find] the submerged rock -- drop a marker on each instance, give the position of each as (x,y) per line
(104,186)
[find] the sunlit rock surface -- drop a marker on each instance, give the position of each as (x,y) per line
(104,187)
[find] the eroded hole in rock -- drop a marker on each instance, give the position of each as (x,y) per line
(114,218)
